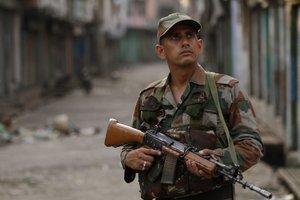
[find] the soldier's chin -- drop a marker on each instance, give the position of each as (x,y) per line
(188,62)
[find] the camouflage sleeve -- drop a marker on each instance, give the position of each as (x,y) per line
(243,130)
(129,174)
(135,121)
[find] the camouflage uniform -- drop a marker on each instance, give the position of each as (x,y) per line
(195,121)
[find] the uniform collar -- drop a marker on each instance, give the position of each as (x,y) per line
(198,77)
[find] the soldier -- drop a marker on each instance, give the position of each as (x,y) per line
(181,105)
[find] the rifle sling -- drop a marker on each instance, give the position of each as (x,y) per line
(213,88)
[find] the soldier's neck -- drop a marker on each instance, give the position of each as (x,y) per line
(179,81)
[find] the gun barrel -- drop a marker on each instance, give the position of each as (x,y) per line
(245,184)
(254,188)
(118,134)
(262,192)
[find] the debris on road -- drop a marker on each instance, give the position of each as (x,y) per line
(59,126)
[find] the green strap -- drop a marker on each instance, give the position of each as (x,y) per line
(214,92)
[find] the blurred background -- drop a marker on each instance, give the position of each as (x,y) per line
(50,48)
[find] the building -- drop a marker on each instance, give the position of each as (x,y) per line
(39,40)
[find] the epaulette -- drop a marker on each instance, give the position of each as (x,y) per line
(226,80)
(153,85)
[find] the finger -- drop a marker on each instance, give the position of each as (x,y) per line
(219,152)
(205,152)
(191,166)
(151,151)
(202,173)
(194,168)
(145,155)
(147,158)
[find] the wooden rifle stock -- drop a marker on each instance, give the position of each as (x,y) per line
(118,134)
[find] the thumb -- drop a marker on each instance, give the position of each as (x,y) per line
(205,152)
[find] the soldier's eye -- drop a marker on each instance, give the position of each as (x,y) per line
(190,35)
(174,36)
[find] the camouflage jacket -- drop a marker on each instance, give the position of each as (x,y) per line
(195,121)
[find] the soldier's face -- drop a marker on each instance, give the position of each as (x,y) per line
(180,46)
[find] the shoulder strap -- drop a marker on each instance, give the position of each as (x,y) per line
(213,88)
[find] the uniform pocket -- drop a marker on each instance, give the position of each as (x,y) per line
(203,139)
(194,110)
(212,121)
(150,110)
(196,104)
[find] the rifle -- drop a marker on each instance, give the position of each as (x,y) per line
(119,134)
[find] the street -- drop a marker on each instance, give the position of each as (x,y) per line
(79,166)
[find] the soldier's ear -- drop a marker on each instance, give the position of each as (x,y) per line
(160,51)
(200,44)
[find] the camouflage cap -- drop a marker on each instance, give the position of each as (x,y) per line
(166,23)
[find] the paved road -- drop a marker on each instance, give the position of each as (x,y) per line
(81,167)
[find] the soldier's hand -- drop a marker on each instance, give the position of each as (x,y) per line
(141,159)
(215,154)
(196,169)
